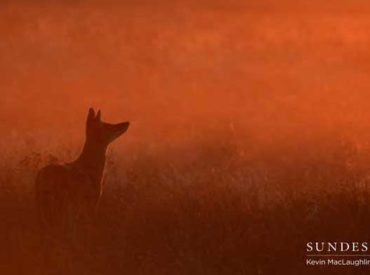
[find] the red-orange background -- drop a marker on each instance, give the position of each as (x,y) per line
(276,71)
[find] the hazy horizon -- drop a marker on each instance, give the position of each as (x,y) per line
(288,70)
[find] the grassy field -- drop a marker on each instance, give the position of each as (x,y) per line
(206,208)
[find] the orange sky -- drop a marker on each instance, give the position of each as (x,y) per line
(284,69)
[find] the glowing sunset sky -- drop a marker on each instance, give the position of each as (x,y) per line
(285,68)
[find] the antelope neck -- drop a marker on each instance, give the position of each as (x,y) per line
(92,155)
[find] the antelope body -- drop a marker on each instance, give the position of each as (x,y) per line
(70,192)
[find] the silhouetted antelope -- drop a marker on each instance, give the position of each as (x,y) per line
(68,193)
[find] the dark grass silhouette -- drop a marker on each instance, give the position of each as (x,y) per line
(216,211)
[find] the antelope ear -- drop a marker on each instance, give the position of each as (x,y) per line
(91,115)
(98,116)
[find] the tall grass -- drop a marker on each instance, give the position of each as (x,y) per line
(206,208)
